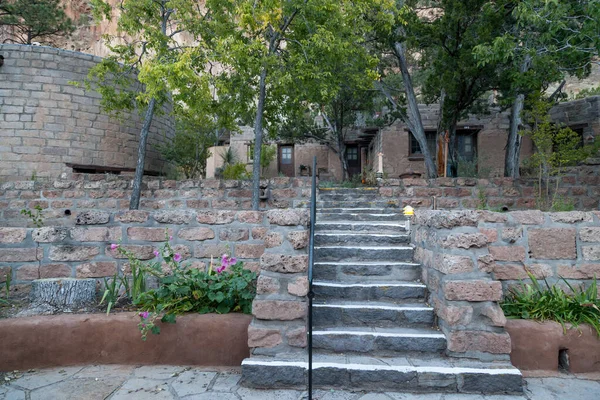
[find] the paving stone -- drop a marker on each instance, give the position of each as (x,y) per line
(226,382)
(256,394)
(212,396)
(334,395)
(80,389)
(158,371)
(192,382)
(46,377)
(143,389)
(374,396)
(106,371)
(410,396)
(10,393)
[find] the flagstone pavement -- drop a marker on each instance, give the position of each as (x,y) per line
(124,382)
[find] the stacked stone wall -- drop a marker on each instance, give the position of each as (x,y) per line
(272,243)
(581,186)
(472,258)
(46,121)
(73,193)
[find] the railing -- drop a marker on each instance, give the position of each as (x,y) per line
(311,255)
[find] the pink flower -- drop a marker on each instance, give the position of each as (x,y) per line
(221,269)
(170,237)
(114,246)
(232,261)
(177,257)
(156,253)
(144,314)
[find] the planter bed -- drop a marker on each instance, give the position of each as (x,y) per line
(539,345)
(67,339)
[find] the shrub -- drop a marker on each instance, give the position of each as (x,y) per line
(552,303)
(235,171)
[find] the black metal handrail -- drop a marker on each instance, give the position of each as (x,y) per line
(311,255)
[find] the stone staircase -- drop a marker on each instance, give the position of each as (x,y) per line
(373,328)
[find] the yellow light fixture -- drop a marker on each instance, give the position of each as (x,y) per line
(408,210)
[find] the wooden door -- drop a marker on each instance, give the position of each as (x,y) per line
(285,160)
(353,159)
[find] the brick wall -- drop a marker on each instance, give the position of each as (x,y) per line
(581,185)
(273,243)
(471,258)
(45,121)
(73,193)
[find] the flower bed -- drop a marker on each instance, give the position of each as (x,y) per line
(61,340)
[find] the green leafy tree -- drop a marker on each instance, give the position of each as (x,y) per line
(158,67)
(541,43)
(188,149)
(556,148)
(270,49)
(28,21)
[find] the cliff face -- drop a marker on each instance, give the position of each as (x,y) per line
(88,38)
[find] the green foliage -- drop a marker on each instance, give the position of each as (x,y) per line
(36,217)
(229,288)
(481,199)
(552,303)
(188,149)
(267,156)
(235,171)
(595,91)
(229,156)
(561,204)
(557,148)
(475,168)
(43,21)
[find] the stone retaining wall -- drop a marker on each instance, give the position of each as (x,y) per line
(471,258)
(72,193)
(273,243)
(581,185)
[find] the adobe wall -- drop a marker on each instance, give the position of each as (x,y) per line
(45,121)
(394,142)
(471,258)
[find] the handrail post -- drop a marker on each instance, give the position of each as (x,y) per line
(311,251)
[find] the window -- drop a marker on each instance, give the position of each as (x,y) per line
(286,155)
(466,143)
(352,153)
(415,148)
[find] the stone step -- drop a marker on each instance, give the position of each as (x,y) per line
(367,239)
(364,253)
(352,203)
(383,216)
(408,374)
(371,314)
(378,341)
(357,226)
(349,197)
(358,210)
(365,189)
(354,272)
(370,291)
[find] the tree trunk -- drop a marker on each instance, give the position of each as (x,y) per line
(453,148)
(63,294)
(342,156)
(258,138)
(513,142)
(414,114)
(134,204)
